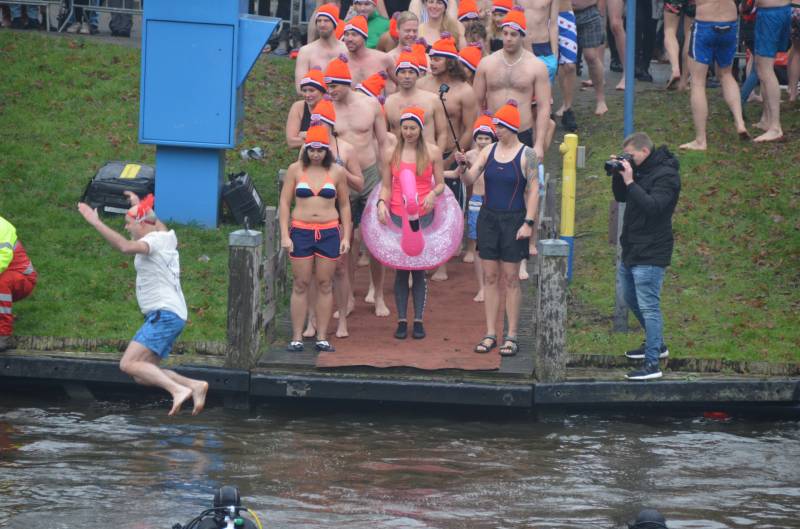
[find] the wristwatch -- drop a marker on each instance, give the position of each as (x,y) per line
(529,222)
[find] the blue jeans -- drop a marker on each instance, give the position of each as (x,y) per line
(641,288)
(92,17)
(32,11)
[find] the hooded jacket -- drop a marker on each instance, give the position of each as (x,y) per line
(650,200)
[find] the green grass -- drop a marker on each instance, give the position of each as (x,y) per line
(733,290)
(68,105)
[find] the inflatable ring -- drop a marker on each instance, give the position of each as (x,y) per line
(441,238)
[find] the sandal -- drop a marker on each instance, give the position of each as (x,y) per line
(295,347)
(323,346)
(484,347)
(510,347)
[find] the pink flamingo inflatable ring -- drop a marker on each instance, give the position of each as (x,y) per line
(410,247)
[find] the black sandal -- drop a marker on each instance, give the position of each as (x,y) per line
(483,348)
(509,350)
(295,347)
(323,346)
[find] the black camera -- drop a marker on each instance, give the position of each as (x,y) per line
(225,513)
(614,165)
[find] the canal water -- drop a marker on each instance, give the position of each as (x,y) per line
(122,465)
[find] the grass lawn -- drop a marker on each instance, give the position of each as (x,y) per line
(68,105)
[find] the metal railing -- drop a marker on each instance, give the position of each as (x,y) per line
(128,7)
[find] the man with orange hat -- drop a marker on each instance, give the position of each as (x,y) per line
(363,61)
(360,122)
(408,94)
(470,57)
(321,51)
(160,298)
(376,24)
(514,73)
(17,278)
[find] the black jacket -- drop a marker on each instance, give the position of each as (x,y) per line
(646,237)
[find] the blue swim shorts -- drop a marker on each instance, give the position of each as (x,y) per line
(773,25)
(160,330)
(474,207)
(309,240)
(714,42)
(551,61)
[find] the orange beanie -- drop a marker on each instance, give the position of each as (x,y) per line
(407,60)
(359,25)
(324,111)
(484,125)
(317,136)
(374,84)
(471,56)
(468,10)
(338,72)
(415,114)
(508,116)
(420,50)
(444,47)
(330,11)
(503,6)
(515,19)
(314,78)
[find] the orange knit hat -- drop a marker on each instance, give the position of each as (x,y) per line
(393,27)
(468,10)
(484,125)
(324,111)
(504,6)
(317,136)
(338,72)
(407,60)
(471,55)
(330,11)
(359,25)
(416,114)
(444,47)
(515,19)
(420,50)
(314,78)
(339,31)
(508,116)
(374,84)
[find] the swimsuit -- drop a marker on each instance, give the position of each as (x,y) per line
(567,38)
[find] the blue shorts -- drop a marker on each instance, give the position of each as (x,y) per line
(714,42)
(160,330)
(773,25)
(544,53)
(309,240)
(474,207)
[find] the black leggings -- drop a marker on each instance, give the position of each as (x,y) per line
(419,290)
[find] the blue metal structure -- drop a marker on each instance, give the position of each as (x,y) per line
(196,55)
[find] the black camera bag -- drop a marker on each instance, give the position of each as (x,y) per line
(106,190)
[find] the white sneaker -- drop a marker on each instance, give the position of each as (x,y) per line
(85,29)
(74,27)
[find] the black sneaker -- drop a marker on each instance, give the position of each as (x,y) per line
(419,331)
(648,372)
(568,120)
(638,354)
(402,330)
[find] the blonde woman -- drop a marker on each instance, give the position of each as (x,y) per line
(440,21)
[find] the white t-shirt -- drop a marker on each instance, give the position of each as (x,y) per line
(158,275)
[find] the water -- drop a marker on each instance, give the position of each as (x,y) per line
(129,466)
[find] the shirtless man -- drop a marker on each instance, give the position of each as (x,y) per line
(591,36)
(567,67)
(773,24)
(364,61)
(360,122)
(714,39)
(323,50)
(514,73)
(407,30)
(408,94)
(541,17)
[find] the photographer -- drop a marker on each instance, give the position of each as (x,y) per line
(647,181)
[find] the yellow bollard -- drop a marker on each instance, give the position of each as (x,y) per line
(569,150)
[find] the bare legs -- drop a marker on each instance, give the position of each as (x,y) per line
(794,70)
(141,364)
(495,274)
(618,29)
(595,62)
(730,91)
(567,79)
(671,21)
(303,270)
(343,294)
(771,93)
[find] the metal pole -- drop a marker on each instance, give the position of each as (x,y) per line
(620,308)
(569,150)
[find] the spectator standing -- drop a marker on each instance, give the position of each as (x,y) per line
(649,185)
(376,24)
(17,278)
(31,12)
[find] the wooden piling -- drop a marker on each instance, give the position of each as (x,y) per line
(551,311)
(245,314)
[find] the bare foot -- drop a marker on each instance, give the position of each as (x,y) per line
(178,398)
(199,391)
(560,111)
(469,257)
(761,125)
(341,329)
(694,146)
(351,305)
(363,259)
(370,297)
(381,310)
(478,297)
(755,98)
(587,83)
(310,331)
(600,109)
(620,84)
(440,275)
(770,135)
(523,270)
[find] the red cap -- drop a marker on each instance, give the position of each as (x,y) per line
(324,111)
(504,6)
(338,72)
(314,78)
(414,113)
(468,10)
(359,25)
(407,59)
(484,125)
(444,47)
(515,19)
(317,136)
(471,55)
(508,116)
(330,11)
(374,84)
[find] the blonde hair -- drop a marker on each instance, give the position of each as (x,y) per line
(422,154)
